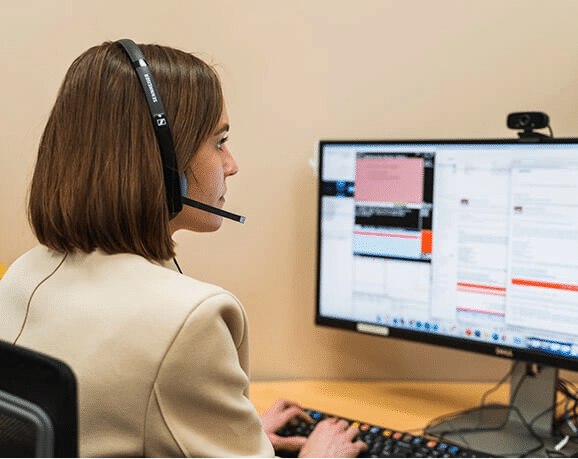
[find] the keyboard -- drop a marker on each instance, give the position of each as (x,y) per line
(384,442)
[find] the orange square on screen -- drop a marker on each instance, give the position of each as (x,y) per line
(426,241)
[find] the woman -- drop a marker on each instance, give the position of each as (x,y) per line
(161,359)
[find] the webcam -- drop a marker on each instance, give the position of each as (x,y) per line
(527,122)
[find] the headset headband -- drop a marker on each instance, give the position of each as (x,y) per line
(160,125)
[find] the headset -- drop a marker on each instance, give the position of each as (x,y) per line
(175,185)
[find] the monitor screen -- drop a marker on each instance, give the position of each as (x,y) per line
(469,244)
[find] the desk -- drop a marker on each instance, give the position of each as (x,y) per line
(401,405)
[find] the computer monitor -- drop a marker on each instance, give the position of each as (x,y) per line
(469,244)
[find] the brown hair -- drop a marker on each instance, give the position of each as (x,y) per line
(98,179)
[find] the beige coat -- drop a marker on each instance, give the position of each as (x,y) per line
(161,359)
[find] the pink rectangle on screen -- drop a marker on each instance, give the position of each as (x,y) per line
(389,180)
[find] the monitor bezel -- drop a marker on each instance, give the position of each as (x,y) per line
(463,344)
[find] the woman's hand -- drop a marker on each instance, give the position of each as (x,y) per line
(333,438)
(280,413)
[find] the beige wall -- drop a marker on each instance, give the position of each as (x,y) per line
(294,72)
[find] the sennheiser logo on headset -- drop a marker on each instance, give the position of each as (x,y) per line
(151,87)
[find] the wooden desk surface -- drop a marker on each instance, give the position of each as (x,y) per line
(401,405)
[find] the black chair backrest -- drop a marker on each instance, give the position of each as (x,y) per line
(38,405)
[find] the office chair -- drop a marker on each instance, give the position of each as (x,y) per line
(38,405)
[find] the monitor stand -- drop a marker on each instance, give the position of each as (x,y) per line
(505,430)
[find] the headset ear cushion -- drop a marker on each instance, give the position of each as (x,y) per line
(184,184)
